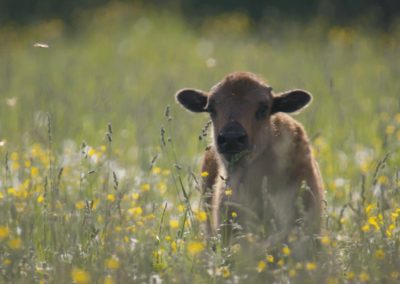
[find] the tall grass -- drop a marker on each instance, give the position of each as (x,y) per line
(100,178)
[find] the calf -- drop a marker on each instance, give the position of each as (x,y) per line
(261,170)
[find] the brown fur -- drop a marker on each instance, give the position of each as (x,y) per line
(266,183)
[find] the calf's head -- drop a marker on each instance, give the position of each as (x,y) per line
(240,107)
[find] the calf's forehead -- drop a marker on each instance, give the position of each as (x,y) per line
(252,93)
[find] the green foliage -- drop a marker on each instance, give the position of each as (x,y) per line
(99,180)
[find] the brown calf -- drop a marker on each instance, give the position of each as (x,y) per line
(261,170)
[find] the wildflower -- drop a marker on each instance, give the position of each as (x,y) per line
(364,277)
(270,258)
(310,266)
(174,224)
(225,271)
(135,196)
(4,232)
(292,273)
(91,152)
(15,243)
(201,216)
(181,208)
(369,208)
(395,275)
(373,220)
(112,263)
(350,275)
(166,172)
(286,251)
(135,211)
(384,180)
(174,247)
(195,248)
(7,261)
(80,205)
(109,280)
(80,276)
(27,164)
(380,254)
(325,240)
(162,187)
(204,174)
(281,262)
(228,192)
(389,129)
(145,187)
(111,197)
(261,266)
(40,198)
(234,214)
(156,170)
(366,228)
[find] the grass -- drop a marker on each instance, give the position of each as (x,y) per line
(99,180)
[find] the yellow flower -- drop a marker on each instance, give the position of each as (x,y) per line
(292,273)
(7,261)
(174,224)
(310,266)
(181,208)
(395,275)
(109,280)
(80,276)
(80,205)
(373,220)
(325,240)
(286,250)
(366,228)
(389,129)
(350,275)
(34,172)
(380,254)
(166,172)
(91,152)
(135,211)
(174,247)
(156,170)
(145,187)
(201,216)
(112,263)
(281,262)
(1,195)
(204,174)
(27,163)
(4,232)
(14,156)
(135,196)
(364,277)
(270,258)
(234,214)
(228,192)
(384,180)
(225,271)
(15,243)
(261,266)
(111,197)
(40,198)
(195,248)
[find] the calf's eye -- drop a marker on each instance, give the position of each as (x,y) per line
(262,112)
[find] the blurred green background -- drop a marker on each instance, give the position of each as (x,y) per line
(87,64)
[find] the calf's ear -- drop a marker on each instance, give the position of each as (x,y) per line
(193,100)
(291,101)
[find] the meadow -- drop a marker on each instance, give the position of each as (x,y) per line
(99,175)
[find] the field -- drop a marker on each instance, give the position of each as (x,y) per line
(99,175)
